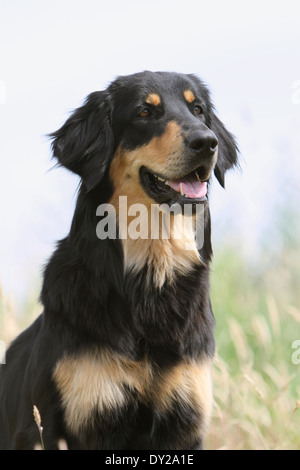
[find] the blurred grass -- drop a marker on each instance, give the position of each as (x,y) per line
(256,385)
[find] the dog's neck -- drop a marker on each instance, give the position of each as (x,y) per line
(166,256)
(166,248)
(157,240)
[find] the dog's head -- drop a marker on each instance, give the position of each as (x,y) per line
(155,133)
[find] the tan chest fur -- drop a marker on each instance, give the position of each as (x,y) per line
(104,381)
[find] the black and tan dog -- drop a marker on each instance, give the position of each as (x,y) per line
(121,356)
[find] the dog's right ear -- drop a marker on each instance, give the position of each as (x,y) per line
(84,144)
(227,150)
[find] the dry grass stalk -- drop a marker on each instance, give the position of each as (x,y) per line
(38,420)
(296,406)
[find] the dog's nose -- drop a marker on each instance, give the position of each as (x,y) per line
(204,143)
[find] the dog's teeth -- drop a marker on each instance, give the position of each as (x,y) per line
(197,176)
(159,178)
(167,183)
(181,190)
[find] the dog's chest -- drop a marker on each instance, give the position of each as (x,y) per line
(99,384)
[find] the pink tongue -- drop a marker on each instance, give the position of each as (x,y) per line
(191,188)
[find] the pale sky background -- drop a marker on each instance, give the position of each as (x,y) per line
(53,53)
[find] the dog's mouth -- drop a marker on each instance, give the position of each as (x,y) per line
(188,189)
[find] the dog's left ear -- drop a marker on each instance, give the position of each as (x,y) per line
(84,144)
(227,149)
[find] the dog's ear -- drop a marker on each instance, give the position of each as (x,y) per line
(84,144)
(227,149)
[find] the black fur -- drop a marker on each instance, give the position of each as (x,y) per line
(91,305)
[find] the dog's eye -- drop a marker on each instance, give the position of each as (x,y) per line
(198,109)
(145,112)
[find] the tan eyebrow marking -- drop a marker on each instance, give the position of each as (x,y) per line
(189,96)
(153,98)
